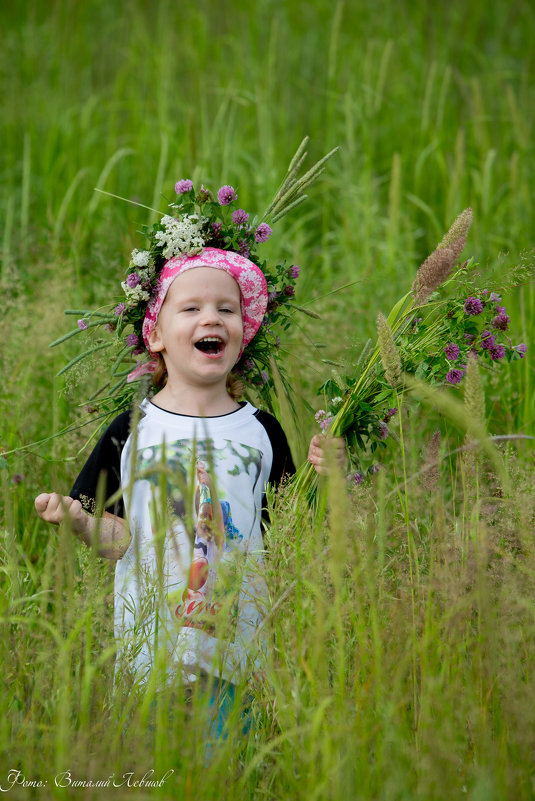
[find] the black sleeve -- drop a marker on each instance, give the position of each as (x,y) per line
(282,458)
(282,464)
(105,459)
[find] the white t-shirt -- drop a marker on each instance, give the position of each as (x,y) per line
(190,586)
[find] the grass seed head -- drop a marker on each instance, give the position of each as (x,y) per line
(459,229)
(389,353)
(435,270)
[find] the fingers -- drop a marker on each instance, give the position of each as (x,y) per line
(51,506)
(41,502)
(317,452)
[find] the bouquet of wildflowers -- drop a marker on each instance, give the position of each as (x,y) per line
(430,333)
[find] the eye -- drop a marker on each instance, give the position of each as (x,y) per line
(190,309)
(226,309)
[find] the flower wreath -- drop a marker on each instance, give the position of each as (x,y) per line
(198,219)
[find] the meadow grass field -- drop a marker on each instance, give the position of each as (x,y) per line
(401,624)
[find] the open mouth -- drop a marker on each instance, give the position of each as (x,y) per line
(210,345)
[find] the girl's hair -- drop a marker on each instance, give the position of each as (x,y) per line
(159,376)
(235,386)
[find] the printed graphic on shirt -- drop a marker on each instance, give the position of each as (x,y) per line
(217,559)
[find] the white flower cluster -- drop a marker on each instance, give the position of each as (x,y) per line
(181,236)
(134,294)
(140,258)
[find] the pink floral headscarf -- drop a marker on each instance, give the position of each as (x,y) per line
(249,277)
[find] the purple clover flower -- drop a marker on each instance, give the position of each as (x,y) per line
(501,322)
(294,271)
(133,280)
(109,327)
(390,413)
(521,349)
(384,431)
(289,291)
(239,217)
(497,352)
(120,309)
(452,351)
(183,186)
(226,195)
(357,478)
(469,337)
(375,468)
(494,297)
(454,376)
(487,340)
(265,377)
(320,415)
(326,422)
(473,306)
(132,340)
(248,364)
(262,233)
(243,249)
(82,325)
(216,229)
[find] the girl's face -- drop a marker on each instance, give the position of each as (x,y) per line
(199,330)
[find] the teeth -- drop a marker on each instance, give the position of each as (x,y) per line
(210,339)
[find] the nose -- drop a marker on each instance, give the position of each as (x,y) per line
(210,315)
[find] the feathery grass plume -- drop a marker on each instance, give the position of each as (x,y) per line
(435,269)
(459,229)
(430,470)
(389,352)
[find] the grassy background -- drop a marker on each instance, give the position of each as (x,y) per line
(405,671)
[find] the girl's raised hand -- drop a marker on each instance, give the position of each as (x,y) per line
(317,452)
(113,537)
(53,508)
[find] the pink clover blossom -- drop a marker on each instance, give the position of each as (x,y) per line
(262,233)
(183,186)
(239,217)
(226,194)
